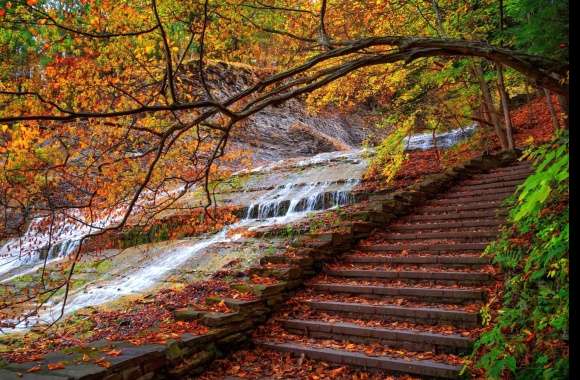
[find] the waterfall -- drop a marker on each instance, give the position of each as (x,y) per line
(286,203)
(443,140)
(293,198)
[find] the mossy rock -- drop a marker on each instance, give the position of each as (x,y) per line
(188,314)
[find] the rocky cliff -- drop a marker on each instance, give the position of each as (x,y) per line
(284,131)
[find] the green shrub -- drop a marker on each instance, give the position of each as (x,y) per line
(529,339)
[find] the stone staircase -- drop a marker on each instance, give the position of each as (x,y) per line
(407,299)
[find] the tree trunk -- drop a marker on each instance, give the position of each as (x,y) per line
(505,106)
(564,106)
(435,145)
(490,108)
(531,115)
(438,18)
(553,115)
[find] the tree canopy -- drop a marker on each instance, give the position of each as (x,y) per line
(107,107)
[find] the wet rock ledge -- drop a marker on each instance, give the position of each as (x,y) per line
(189,354)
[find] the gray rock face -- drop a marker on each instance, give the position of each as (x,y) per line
(284,131)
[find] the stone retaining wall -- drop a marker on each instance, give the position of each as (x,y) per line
(229,331)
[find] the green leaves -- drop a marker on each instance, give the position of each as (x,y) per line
(527,340)
(551,171)
(540,26)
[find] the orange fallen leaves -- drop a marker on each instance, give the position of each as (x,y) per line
(262,280)
(36,368)
(55,366)
(102,362)
(114,352)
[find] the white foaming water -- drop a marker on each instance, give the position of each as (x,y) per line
(444,140)
(28,252)
(300,199)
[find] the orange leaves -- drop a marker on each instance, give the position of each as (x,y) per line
(36,368)
(55,366)
(102,362)
(263,280)
(222,307)
(114,352)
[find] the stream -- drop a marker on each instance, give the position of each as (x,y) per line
(286,203)
(298,187)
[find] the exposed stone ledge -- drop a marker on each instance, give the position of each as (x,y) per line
(231,330)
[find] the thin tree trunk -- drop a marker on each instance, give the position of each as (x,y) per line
(506,110)
(438,18)
(553,115)
(531,117)
(435,145)
(488,103)
(564,106)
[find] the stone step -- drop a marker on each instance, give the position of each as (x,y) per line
(468,200)
(446,225)
(459,247)
(499,185)
(342,357)
(413,340)
(450,294)
(427,315)
(523,168)
(489,213)
(495,178)
(489,205)
(477,193)
(411,275)
(416,259)
(439,235)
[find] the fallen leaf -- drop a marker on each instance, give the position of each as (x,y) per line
(102,362)
(114,352)
(54,366)
(36,368)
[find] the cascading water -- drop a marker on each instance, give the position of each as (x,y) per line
(443,140)
(288,202)
(299,195)
(39,245)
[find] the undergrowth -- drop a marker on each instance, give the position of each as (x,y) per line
(529,339)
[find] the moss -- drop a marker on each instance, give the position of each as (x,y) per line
(104,266)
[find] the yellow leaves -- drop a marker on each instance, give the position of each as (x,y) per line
(149,49)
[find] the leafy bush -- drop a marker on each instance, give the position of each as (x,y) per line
(530,337)
(390,154)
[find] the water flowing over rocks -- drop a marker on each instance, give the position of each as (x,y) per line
(139,270)
(270,196)
(442,140)
(190,354)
